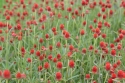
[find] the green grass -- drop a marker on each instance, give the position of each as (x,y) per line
(2,3)
(83,62)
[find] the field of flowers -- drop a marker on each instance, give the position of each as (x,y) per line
(62,41)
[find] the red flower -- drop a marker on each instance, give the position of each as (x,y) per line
(95,20)
(23,50)
(34,45)
(102,44)
(71,47)
(69,9)
(87,76)
(103,36)
(118,62)
(104,16)
(58,44)
(94,69)
(59,15)
(110,80)
(35,5)
(47,36)
(59,65)
(84,23)
(22,1)
(119,47)
(95,35)
(103,9)
(41,57)
(32,51)
(69,54)
(6,74)
(39,68)
(19,27)
(19,38)
(38,53)
(58,76)
(84,50)
(96,51)
(83,3)
(113,52)
(18,75)
(48,8)
(113,76)
(121,36)
(112,45)
(50,57)
(115,65)
(120,74)
(67,35)
(55,60)
(107,66)
(111,12)
(58,56)
(91,47)
(50,47)
(56,5)
(71,64)
(7,17)
(29,60)
(82,32)
(76,12)
(97,30)
(43,27)
(40,40)
(54,29)
(61,26)
(46,65)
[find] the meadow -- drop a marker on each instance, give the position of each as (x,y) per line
(62,41)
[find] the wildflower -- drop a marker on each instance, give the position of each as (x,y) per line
(18,75)
(55,60)
(37,53)
(120,74)
(113,52)
(71,64)
(29,60)
(6,74)
(107,66)
(87,76)
(58,76)
(39,68)
(46,65)
(94,69)
(59,65)
(82,32)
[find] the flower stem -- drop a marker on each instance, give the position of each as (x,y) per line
(7,81)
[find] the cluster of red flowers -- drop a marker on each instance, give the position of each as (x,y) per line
(6,74)
(71,40)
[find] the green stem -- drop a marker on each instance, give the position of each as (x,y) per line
(7,46)
(45,76)
(18,81)
(7,81)
(71,75)
(106,77)
(79,41)
(67,70)
(18,54)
